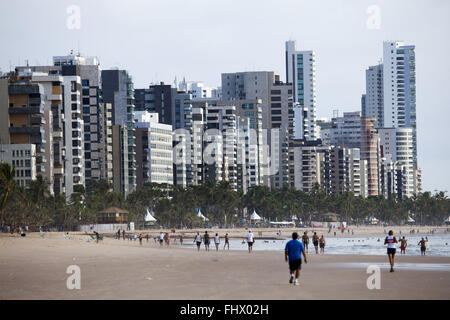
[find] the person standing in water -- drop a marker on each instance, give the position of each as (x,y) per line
(250,241)
(293,254)
(316,242)
(305,240)
(403,244)
(322,244)
(217,241)
(227,242)
(423,246)
(198,240)
(391,241)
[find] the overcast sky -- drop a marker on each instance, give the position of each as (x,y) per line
(200,39)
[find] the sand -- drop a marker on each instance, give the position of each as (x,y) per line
(35,268)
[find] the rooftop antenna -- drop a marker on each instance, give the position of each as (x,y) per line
(28,64)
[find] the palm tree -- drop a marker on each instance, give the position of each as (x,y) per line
(7,186)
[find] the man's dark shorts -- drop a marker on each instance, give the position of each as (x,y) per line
(316,243)
(250,244)
(391,251)
(295,265)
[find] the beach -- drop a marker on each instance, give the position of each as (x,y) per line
(33,267)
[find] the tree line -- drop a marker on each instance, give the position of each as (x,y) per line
(174,206)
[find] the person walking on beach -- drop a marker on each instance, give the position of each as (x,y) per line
(403,244)
(123,234)
(322,244)
(181,239)
(391,241)
(293,255)
(423,246)
(118,234)
(217,241)
(206,240)
(227,242)
(161,239)
(198,240)
(250,241)
(305,240)
(140,239)
(167,239)
(316,242)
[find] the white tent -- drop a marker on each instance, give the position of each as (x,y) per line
(294,218)
(149,217)
(410,219)
(255,216)
(200,215)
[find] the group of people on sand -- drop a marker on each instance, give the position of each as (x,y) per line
(198,239)
(317,242)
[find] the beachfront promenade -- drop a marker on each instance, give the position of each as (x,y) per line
(35,268)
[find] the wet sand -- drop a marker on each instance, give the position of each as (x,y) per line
(35,268)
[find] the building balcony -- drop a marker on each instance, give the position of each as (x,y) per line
(57,134)
(37,121)
(27,110)
(27,130)
(58,171)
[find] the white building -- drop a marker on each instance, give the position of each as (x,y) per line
(397,145)
(198,90)
(154,154)
(399,93)
(301,72)
(346,130)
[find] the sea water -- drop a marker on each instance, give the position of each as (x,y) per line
(438,245)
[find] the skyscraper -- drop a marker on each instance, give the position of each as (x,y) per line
(399,81)
(374,103)
(118,91)
(301,72)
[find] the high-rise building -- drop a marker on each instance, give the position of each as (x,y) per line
(22,105)
(398,144)
(399,93)
(346,130)
(93,113)
(154,156)
(301,73)
(370,152)
(373,105)
(348,171)
(252,85)
(118,91)
(281,129)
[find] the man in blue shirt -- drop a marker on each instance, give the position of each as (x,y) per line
(294,250)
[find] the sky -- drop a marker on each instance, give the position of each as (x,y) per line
(200,39)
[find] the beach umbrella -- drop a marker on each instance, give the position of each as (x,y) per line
(255,216)
(149,217)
